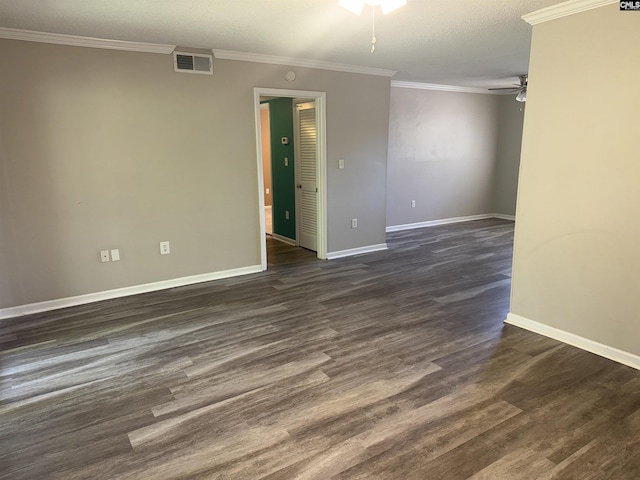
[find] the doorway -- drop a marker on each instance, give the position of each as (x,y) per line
(315,102)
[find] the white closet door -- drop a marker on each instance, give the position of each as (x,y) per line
(306,175)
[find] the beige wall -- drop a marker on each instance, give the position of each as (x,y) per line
(442,154)
(510,122)
(107,149)
(266,153)
(577,260)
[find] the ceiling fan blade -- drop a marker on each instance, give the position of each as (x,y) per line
(354,6)
(390,5)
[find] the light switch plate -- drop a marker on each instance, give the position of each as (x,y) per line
(115,255)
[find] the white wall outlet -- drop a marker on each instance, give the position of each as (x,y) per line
(165,248)
(286,162)
(104,256)
(341,163)
(115,255)
(413,204)
(354,223)
(286,214)
(267,191)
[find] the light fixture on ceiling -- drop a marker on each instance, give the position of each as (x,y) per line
(520,88)
(356,6)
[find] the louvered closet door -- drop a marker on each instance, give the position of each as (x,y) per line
(307,192)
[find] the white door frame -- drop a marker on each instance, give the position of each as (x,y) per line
(320,99)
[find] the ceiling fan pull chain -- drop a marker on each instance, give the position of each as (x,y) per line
(373,29)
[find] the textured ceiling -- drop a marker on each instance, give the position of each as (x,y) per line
(478,43)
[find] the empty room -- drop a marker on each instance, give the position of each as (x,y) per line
(320,239)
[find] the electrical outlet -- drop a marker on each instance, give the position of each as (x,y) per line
(286,214)
(413,204)
(165,248)
(354,223)
(286,162)
(267,191)
(104,256)
(115,255)
(341,163)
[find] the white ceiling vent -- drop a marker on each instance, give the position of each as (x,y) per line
(193,63)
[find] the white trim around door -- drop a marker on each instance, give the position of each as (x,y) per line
(320,99)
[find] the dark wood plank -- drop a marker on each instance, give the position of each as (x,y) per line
(391,365)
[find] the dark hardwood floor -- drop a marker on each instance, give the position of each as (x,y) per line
(391,365)
(279,253)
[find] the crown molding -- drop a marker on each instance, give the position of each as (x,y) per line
(563,10)
(300,62)
(441,88)
(73,40)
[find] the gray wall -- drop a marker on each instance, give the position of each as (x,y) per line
(510,121)
(442,154)
(5,273)
(456,154)
(107,149)
(576,255)
(358,132)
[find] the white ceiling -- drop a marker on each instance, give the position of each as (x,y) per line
(476,43)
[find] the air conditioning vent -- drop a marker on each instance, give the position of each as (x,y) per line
(193,63)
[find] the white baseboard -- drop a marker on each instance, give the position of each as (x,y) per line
(356,251)
(433,223)
(446,221)
(287,240)
(503,216)
(605,351)
(124,292)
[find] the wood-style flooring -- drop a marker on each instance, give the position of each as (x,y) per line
(390,365)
